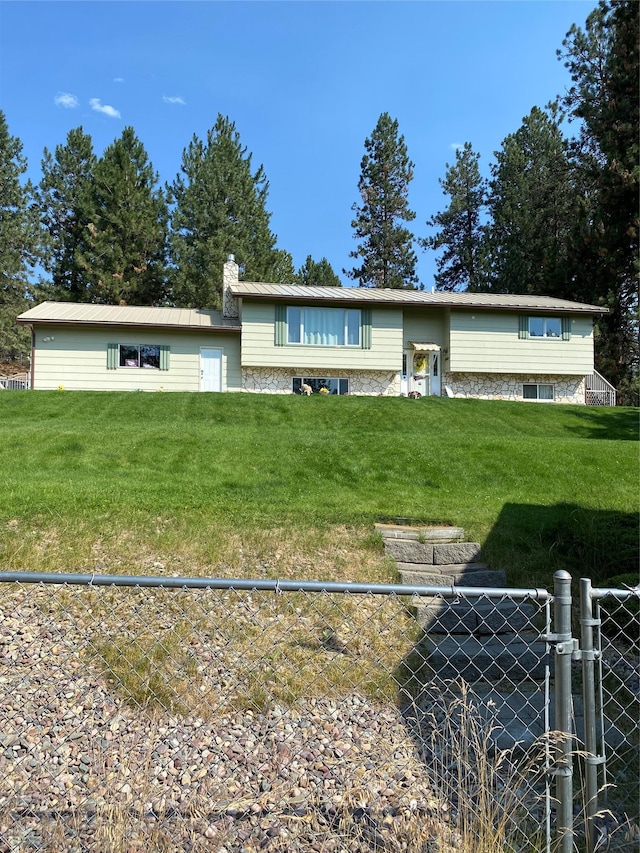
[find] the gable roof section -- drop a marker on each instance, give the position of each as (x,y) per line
(410,298)
(70,313)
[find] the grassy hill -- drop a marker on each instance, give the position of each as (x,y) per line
(276,485)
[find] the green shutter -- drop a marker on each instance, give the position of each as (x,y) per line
(366,328)
(566,328)
(164,357)
(523,326)
(281,325)
(112,356)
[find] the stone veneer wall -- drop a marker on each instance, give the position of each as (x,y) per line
(508,386)
(270,380)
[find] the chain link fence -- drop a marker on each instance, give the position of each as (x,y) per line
(184,714)
(611,689)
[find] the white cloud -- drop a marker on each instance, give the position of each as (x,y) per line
(174,99)
(112,112)
(456,146)
(66,100)
(118,79)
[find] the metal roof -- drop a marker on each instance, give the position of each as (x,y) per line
(408,298)
(128,315)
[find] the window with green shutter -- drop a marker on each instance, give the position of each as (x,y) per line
(147,356)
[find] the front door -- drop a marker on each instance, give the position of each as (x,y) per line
(210,369)
(420,374)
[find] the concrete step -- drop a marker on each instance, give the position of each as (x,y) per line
(413,551)
(420,534)
(446,617)
(510,657)
(467,574)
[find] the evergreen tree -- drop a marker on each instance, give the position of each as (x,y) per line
(603,60)
(462,234)
(63,198)
(220,208)
(317,274)
(386,246)
(280,269)
(18,244)
(531,200)
(124,241)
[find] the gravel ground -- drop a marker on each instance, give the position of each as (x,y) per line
(80,769)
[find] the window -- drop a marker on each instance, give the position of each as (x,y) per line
(540,391)
(324,327)
(328,385)
(146,356)
(544,327)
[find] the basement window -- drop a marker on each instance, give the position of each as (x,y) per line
(328,385)
(538,391)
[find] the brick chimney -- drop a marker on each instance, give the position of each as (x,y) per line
(229,277)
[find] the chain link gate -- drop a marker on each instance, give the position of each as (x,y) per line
(164,714)
(610,655)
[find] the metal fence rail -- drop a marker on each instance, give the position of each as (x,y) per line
(165,714)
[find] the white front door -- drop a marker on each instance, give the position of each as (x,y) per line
(210,369)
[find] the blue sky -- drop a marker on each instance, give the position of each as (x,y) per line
(305,83)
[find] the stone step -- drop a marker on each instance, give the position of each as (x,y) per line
(414,574)
(437,616)
(494,719)
(413,551)
(420,534)
(473,659)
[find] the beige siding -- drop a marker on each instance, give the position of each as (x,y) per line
(259,349)
(424,326)
(75,357)
(488,342)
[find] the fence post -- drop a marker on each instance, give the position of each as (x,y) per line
(587,623)
(564,748)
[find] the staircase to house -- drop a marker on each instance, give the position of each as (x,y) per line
(493,645)
(598,391)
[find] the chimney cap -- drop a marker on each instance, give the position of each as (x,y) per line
(231,258)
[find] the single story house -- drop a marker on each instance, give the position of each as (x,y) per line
(275,338)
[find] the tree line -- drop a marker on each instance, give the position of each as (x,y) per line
(557,216)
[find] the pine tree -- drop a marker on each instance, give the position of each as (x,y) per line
(386,246)
(531,200)
(124,241)
(462,234)
(317,274)
(63,197)
(603,60)
(18,243)
(219,207)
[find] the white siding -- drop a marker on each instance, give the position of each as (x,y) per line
(259,349)
(75,357)
(488,342)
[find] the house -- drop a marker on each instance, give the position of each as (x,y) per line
(273,338)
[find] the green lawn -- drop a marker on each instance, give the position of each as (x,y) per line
(192,478)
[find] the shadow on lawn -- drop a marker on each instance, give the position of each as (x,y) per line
(600,544)
(602,423)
